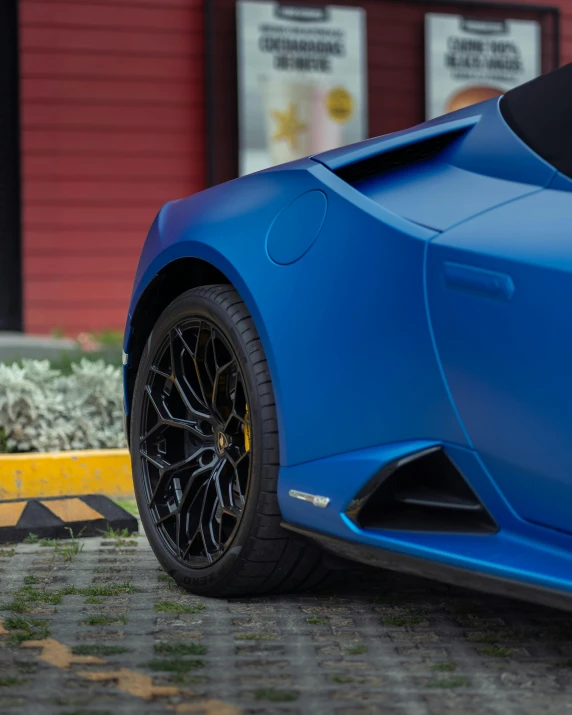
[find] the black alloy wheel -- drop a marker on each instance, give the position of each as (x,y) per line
(195,446)
(204,453)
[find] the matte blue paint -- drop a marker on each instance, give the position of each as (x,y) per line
(416,193)
(389,292)
(478,280)
(388,335)
(560,182)
(296,227)
(508,364)
(466,437)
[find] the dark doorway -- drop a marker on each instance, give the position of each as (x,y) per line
(10,220)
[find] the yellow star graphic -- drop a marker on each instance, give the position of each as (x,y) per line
(288,126)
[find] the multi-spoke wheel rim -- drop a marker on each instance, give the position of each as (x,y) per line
(195,442)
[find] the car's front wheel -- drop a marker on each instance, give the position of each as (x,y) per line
(204,448)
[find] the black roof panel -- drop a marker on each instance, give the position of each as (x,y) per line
(540,113)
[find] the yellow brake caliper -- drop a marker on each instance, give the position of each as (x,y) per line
(246,431)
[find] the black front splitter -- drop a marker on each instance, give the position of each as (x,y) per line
(464,578)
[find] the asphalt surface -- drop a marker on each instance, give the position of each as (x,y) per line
(94,626)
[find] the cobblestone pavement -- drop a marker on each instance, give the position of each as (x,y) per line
(94,626)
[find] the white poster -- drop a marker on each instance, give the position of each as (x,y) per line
(301,81)
(468,61)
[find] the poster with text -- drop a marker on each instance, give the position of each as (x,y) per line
(468,60)
(301,81)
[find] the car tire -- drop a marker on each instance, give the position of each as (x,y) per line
(254,554)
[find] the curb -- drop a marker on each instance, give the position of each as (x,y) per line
(60,518)
(55,474)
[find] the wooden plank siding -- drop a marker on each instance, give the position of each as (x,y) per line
(112,114)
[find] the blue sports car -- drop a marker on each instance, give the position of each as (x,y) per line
(365,355)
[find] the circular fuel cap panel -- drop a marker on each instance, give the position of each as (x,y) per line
(296,227)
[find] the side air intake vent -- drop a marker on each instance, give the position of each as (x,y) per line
(398,158)
(422,492)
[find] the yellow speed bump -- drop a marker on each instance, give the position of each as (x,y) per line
(51,474)
(72,510)
(10,513)
(55,518)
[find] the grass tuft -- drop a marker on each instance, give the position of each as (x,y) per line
(180,649)
(317,621)
(99,649)
(15,606)
(31,580)
(452,683)
(100,589)
(357,649)
(170,607)
(446,667)
(71,548)
(108,589)
(405,620)
(275,696)
(186,679)
(495,651)
(48,543)
(22,629)
(483,637)
(11,682)
(256,637)
(111,533)
(28,596)
(174,665)
(103,620)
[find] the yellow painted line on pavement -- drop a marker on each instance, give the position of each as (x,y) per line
(60,655)
(128,681)
(52,474)
(10,513)
(70,510)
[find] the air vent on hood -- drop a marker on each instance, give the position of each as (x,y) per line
(398,158)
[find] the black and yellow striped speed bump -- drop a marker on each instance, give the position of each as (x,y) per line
(51,518)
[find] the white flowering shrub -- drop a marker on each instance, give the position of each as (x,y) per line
(43,410)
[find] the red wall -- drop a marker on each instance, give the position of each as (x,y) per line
(112,104)
(565,28)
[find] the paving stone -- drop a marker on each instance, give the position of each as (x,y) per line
(383,643)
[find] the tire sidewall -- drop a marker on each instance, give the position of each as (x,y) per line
(188,306)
